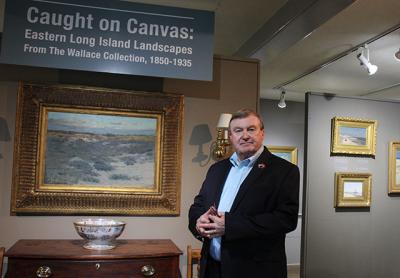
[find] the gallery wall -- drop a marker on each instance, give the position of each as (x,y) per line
(285,127)
(350,242)
(235,85)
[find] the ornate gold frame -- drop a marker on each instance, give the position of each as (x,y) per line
(31,195)
(364,200)
(284,149)
(337,148)
(394,187)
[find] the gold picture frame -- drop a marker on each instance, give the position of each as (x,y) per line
(96,151)
(286,152)
(355,137)
(394,167)
(352,190)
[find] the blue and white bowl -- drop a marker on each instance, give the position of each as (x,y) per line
(99,233)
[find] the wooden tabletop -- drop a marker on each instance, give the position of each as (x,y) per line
(72,249)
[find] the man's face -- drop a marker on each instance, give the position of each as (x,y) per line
(246,136)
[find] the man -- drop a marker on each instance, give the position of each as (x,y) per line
(256,197)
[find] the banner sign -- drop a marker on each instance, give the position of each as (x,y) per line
(109,36)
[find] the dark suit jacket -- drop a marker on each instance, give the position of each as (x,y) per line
(264,210)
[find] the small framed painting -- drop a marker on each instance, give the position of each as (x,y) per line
(287,153)
(353,137)
(394,167)
(352,190)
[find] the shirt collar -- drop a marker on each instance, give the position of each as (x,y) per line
(249,162)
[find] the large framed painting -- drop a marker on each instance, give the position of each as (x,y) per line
(355,137)
(394,168)
(352,190)
(91,151)
(285,152)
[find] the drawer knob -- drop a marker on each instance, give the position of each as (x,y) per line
(97,266)
(148,270)
(43,272)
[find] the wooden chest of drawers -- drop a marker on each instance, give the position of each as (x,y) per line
(67,258)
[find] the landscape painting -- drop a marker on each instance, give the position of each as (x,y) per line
(285,152)
(353,189)
(353,137)
(284,155)
(394,168)
(85,148)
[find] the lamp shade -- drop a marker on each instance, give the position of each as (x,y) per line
(224,120)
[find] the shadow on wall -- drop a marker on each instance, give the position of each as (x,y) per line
(4,132)
(201,135)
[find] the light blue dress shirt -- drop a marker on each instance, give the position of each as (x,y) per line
(237,174)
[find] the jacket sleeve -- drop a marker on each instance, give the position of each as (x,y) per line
(280,220)
(200,204)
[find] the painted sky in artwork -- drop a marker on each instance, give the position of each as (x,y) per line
(353,189)
(101,124)
(284,155)
(358,132)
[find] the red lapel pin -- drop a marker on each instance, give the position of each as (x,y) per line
(261,165)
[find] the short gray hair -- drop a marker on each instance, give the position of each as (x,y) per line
(244,113)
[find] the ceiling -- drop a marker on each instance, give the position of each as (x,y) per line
(308,45)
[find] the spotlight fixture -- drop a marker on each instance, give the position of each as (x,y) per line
(282,103)
(364,61)
(397,55)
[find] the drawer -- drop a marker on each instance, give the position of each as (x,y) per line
(162,267)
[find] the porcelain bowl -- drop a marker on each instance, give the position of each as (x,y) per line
(99,233)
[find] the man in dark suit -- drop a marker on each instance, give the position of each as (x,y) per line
(245,207)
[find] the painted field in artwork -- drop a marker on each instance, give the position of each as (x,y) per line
(100,150)
(354,136)
(352,189)
(398,167)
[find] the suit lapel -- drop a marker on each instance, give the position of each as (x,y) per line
(258,168)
